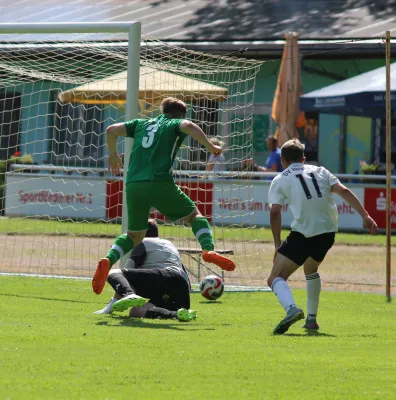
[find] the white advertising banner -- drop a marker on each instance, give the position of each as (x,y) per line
(348,218)
(248,205)
(54,196)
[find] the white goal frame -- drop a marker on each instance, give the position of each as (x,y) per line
(219,90)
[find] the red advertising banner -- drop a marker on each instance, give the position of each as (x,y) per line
(114,199)
(375,204)
(200,192)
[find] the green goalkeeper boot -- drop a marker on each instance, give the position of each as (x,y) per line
(293,315)
(129,301)
(184,315)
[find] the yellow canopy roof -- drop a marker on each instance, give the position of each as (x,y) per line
(154,85)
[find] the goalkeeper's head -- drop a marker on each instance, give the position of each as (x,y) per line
(152,229)
(174,108)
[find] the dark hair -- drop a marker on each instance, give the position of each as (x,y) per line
(173,107)
(152,229)
(272,137)
(292,151)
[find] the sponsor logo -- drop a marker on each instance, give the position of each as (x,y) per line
(381,97)
(345,208)
(236,204)
(46,196)
(375,204)
(330,101)
(381,202)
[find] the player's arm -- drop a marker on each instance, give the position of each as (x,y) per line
(353,201)
(112,133)
(273,168)
(137,257)
(189,128)
(276,199)
(276,224)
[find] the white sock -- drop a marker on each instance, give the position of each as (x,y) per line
(313,292)
(283,293)
(107,309)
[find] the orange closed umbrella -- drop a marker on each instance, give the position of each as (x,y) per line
(286,104)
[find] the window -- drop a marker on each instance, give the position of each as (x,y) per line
(78,137)
(10,112)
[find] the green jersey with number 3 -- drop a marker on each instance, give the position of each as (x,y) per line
(155,145)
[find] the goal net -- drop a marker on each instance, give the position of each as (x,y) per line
(60,207)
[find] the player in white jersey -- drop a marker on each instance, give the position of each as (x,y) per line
(153,271)
(309,193)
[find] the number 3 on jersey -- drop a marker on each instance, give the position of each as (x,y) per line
(148,138)
(305,186)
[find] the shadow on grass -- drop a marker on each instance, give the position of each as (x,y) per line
(44,298)
(146,323)
(210,302)
(310,334)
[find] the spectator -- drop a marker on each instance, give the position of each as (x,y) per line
(273,163)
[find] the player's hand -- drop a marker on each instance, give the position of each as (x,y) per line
(114,163)
(370,224)
(215,149)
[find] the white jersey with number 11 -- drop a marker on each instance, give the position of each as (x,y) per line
(307,189)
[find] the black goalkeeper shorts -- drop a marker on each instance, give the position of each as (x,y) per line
(164,287)
(298,248)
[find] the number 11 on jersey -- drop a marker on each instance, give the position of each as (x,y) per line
(305,186)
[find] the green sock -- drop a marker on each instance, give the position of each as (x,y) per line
(122,245)
(203,233)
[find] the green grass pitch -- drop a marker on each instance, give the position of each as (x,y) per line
(53,347)
(31,226)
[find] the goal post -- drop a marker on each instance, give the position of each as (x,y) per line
(132,106)
(62,85)
(133,30)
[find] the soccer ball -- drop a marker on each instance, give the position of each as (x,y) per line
(211,287)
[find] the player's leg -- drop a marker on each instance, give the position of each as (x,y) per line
(138,209)
(314,286)
(282,269)
(124,289)
(172,300)
(168,291)
(151,311)
(176,205)
(122,245)
(108,308)
(173,290)
(290,257)
(319,246)
(202,231)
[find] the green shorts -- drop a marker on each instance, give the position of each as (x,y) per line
(165,196)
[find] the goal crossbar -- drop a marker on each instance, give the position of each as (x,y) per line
(67,27)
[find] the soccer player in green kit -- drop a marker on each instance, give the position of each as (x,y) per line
(149,182)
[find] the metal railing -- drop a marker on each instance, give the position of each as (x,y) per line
(52,169)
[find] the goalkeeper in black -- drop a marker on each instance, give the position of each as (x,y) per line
(154,273)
